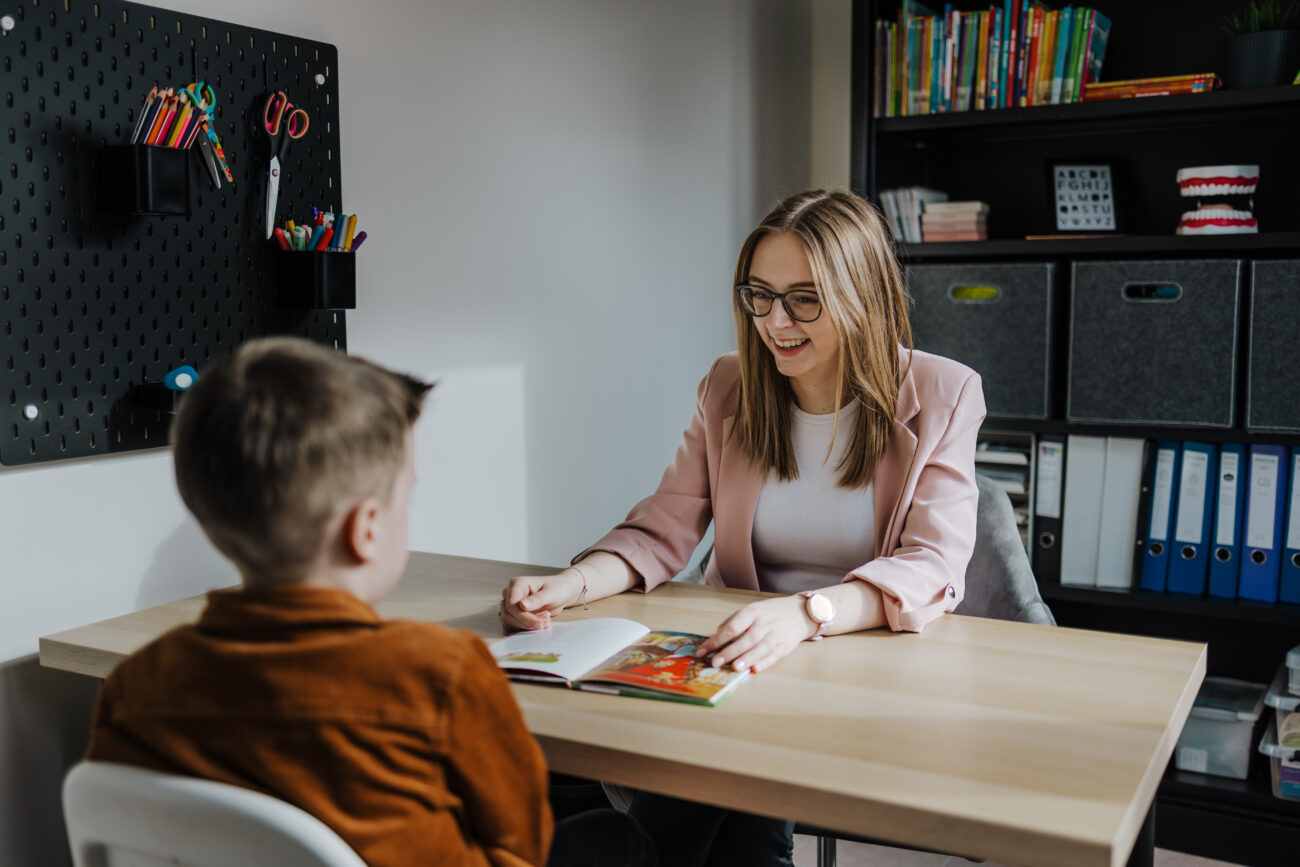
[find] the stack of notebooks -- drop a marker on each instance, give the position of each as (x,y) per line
(1202,82)
(903,207)
(1015,53)
(955,221)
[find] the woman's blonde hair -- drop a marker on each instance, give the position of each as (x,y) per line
(862,291)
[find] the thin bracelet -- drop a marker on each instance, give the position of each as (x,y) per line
(582,597)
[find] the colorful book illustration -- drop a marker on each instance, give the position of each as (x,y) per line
(616,656)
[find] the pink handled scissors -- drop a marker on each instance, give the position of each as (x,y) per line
(282,123)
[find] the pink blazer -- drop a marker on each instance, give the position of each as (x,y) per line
(924,492)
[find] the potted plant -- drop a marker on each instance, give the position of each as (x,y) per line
(1264,46)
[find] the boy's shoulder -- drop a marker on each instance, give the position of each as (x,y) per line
(416,664)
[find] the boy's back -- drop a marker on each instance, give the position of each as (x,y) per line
(298,463)
(402,737)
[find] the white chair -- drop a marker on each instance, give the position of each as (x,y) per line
(122,815)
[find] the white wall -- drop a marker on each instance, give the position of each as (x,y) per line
(832,65)
(552,236)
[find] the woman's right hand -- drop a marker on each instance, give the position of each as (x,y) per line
(527,601)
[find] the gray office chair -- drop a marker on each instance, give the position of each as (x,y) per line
(999,585)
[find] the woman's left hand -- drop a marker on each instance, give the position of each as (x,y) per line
(759,635)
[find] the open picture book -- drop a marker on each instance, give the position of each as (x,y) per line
(613,655)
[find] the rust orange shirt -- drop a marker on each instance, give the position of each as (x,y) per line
(403,737)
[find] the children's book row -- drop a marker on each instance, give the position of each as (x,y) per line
(1014,54)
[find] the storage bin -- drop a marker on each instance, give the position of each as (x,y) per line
(318,280)
(1154,342)
(1293,669)
(1221,728)
(995,318)
(1284,765)
(1272,392)
(145,180)
(1284,704)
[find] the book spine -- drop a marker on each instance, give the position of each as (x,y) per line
(1154,90)
(1043,83)
(927,69)
(973,53)
(939,56)
(1164,79)
(1008,51)
(1031,65)
(954,70)
(995,61)
(1096,52)
(1065,31)
(1022,51)
(1076,15)
(1069,91)
(981,59)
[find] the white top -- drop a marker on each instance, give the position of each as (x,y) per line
(810,532)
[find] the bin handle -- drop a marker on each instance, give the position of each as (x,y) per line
(1152,292)
(973,294)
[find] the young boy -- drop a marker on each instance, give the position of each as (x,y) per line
(403,737)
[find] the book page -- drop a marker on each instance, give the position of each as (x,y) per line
(665,663)
(566,650)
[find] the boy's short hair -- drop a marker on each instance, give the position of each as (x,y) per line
(278,439)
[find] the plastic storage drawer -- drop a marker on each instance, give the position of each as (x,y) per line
(1220,730)
(1154,342)
(996,319)
(1284,763)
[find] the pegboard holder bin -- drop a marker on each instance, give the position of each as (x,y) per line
(158,397)
(146,179)
(317,280)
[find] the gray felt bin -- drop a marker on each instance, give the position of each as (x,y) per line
(1272,387)
(1154,342)
(1006,338)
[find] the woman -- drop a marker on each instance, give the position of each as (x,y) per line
(837,464)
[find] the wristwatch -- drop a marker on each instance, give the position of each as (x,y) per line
(820,610)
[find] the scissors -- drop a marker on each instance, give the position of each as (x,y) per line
(280,129)
(214,157)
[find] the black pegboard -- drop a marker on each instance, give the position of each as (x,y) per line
(93,303)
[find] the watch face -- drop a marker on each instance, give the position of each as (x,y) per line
(820,608)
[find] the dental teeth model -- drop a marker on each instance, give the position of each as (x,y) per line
(1218,218)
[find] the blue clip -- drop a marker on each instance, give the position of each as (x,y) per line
(181,378)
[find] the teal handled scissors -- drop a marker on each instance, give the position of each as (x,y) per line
(280,128)
(214,157)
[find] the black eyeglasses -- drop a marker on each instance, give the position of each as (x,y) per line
(803,305)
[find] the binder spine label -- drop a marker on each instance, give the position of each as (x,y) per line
(1293,526)
(1164,487)
(1227,508)
(1191,494)
(1050,461)
(1263,496)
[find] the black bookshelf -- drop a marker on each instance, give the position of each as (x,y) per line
(1242,610)
(1120,246)
(1256,101)
(1003,157)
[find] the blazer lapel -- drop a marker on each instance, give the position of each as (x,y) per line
(739,484)
(895,465)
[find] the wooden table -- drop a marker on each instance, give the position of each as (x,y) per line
(1005,741)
